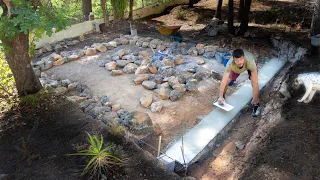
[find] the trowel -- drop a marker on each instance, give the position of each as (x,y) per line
(225,106)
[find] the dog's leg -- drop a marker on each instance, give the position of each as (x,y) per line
(308,86)
(310,96)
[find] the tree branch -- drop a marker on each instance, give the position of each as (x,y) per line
(9,4)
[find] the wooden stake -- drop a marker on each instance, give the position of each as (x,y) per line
(159,146)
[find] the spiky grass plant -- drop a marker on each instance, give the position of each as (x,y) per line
(101,159)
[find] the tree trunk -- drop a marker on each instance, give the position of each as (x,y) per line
(315,23)
(19,63)
(241,8)
(86,9)
(192,2)
(218,13)
(245,18)
(114,11)
(131,10)
(230,18)
(104,12)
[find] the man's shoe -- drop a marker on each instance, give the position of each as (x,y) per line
(256,111)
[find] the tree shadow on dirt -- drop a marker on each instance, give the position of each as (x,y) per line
(35,145)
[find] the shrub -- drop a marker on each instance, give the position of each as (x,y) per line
(101,159)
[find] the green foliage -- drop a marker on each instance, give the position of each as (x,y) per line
(181,15)
(101,159)
(8,91)
(35,100)
(115,128)
(120,6)
(35,20)
(1,11)
(73,7)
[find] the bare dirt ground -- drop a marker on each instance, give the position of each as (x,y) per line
(281,146)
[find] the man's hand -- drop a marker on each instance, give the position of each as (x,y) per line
(221,100)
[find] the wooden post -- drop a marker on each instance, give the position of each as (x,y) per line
(159,146)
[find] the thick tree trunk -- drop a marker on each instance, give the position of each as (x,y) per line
(315,24)
(86,9)
(241,8)
(245,17)
(192,2)
(219,7)
(104,12)
(131,10)
(230,18)
(19,62)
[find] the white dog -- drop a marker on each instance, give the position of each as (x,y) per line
(311,81)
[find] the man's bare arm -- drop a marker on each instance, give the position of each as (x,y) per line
(224,83)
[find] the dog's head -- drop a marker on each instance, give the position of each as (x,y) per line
(297,82)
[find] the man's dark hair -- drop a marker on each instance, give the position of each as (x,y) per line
(237,53)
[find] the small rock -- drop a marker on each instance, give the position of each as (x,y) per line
(96,111)
(178,60)
(153,69)
(116,72)
(156,106)
(211,49)
(81,37)
(116,107)
(200,48)
(58,62)
(145,44)
(130,68)
(65,82)
(44,75)
(111,45)
(72,86)
(120,53)
(176,95)
(111,66)
(239,144)
(199,60)
(284,90)
(191,85)
(73,57)
(149,85)
(189,178)
(172,80)
(144,54)
(48,65)
(157,78)
(161,47)
(60,90)
(179,87)
(193,51)
(48,47)
(146,100)
(56,56)
(101,48)
(90,51)
(76,99)
(140,78)
(109,117)
(122,63)
(142,70)
(164,93)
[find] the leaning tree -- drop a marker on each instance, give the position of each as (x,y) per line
(20,19)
